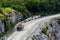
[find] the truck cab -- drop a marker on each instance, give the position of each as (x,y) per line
(19,27)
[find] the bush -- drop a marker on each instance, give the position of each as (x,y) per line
(33,38)
(1,17)
(1,35)
(2,11)
(44,30)
(10,9)
(58,21)
(46,24)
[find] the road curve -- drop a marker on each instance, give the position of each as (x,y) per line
(29,27)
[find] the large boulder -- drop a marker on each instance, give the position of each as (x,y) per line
(14,17)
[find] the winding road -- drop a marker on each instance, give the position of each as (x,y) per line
(30,27)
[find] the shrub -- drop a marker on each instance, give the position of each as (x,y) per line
(58,21)
(44,30)
(33,38)
(2,11)
(1,16)
(10,9)
(46,24)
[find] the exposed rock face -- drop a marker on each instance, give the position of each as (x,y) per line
(56,30)
(53,32)
(14,16)
(19,16)
(1,27)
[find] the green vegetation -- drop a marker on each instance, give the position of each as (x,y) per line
(33,7)
(4,18)
(33,38)
(58,21)
(10,9)
(27,8)
(1,35)
(44,30)
(46,24)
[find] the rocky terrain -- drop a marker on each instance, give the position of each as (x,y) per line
(50,31)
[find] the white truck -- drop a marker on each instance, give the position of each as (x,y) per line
(19,26)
